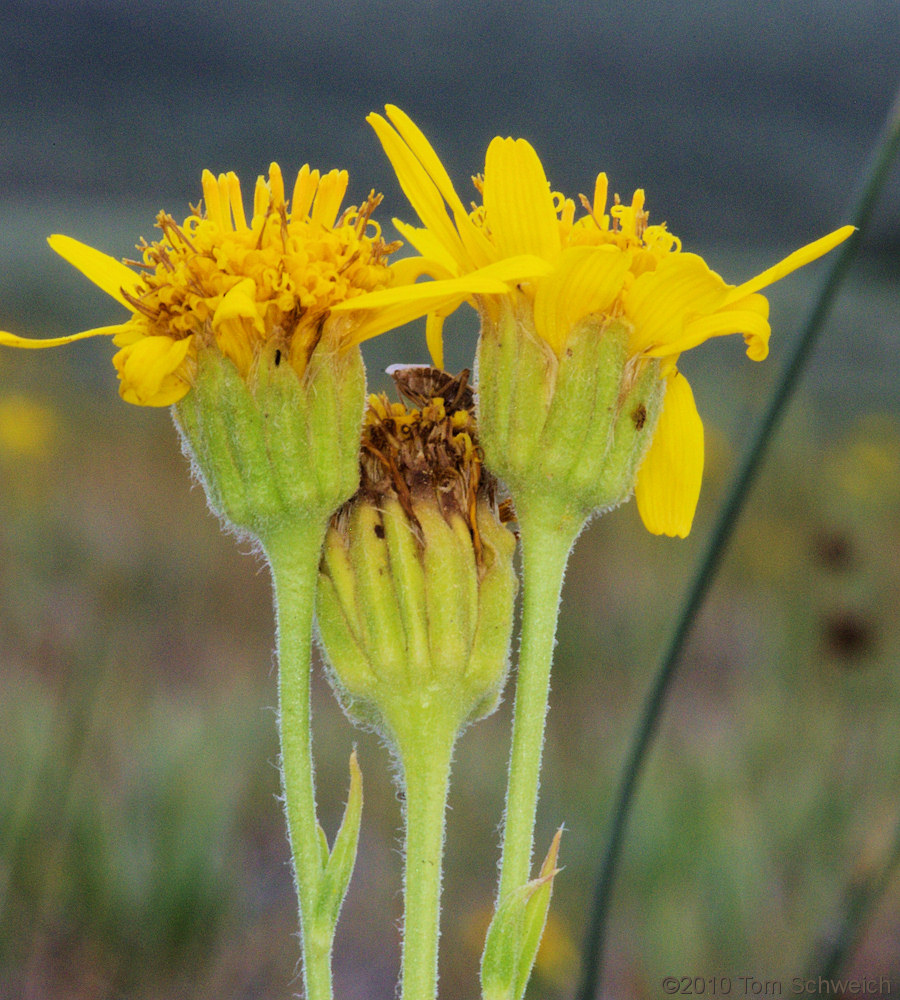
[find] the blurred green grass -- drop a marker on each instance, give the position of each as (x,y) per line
(142,850)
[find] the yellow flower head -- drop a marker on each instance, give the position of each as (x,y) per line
(26,427)
(561,268)
(220,280)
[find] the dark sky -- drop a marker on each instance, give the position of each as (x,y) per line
(750,118)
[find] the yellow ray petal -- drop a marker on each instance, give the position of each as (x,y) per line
(513,270)
(751,322)
(424,152)
(171,389)
(434,338)
(239,303)
(797,259)
(518,202)
(304,192)
(430,248)
(147,370)
(400,313)
(234,322)
(476,244)
(12,340)
(408,270)
(393,307)
(668,482)
(332,188)
(601,192)
(225,200)
(276,184)
(212,196)
(421,190)
(426,294)
(491,280)
(236,200)
(261,198)
(659,301)
(107,273)
(585,280)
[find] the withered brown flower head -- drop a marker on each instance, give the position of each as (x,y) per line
(426,450)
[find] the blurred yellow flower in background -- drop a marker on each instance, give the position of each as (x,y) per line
(26,427)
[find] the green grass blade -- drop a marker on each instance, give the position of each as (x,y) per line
(870,184)
(861,899)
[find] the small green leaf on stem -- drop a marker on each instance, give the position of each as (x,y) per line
(340,863)
(324,849)
(515,933)
(536,910)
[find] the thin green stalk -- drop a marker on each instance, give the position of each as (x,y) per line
(293,555)
(547,539)
(871,182)
(860,902)
(426,749)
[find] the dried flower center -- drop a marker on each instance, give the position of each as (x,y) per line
(429,450)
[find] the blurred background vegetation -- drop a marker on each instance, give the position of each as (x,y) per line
(142,849)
